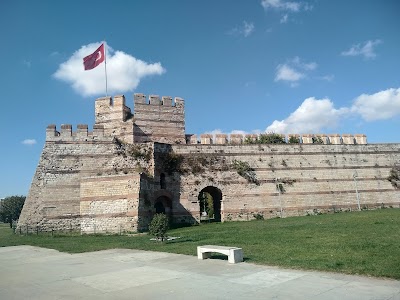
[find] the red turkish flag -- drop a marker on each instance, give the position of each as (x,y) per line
(93,60)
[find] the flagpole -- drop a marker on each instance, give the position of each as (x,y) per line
(105,63)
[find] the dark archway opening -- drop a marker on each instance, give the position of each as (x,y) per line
(163,205)
(159,207)
(210,203)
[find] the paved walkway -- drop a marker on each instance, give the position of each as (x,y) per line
(28,272)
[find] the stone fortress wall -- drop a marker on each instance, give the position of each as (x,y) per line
(313,178)
(115,177)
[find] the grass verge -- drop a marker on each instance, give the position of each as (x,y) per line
(366,242)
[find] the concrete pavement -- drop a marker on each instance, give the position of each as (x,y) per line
(28,272)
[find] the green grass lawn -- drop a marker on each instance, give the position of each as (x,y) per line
(366,242)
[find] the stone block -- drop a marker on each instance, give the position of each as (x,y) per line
(236,138)
(348,139)
(307,138)
(166,100)
(221,139)
(154,100)
(206,139)
(361,139)
(334,139)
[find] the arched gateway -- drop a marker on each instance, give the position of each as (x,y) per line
(210,203)
(163,205)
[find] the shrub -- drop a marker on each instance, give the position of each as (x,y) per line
(317,140)
(173,163)
(394,177)
(294,140)
(158,226)
(267,138)
(258,216)
(243,169)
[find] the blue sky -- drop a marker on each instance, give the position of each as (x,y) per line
(241,66)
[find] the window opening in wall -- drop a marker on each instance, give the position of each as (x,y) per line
(163,184)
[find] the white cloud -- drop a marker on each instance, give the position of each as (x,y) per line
(29,142)
(281,5)
(124,72)
(245,30)
(311,116)
(367,49)
(238,132)
(317,115)
(287,73)
(294,70)
(214,132)
(284,19)
(379,106)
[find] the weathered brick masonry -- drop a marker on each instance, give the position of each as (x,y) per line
(131,165)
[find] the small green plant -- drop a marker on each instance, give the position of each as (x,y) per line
(294,140)
(173,163)
(317,140)
(258,216)
(280,188)
(243,169)
(139,153)
(267,138)
(394,177)
(159,226)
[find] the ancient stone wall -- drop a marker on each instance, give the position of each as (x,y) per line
(73,161)
(159,120)
(109,203)
(115,117)
(312,178)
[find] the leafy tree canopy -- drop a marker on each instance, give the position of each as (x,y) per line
(10,208)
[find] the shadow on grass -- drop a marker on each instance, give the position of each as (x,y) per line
(178,241)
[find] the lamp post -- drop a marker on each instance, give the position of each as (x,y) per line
(355,175)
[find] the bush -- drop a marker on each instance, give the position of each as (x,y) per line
(258,216)
(243,169)
(266,138)
(158,226)
(10,208)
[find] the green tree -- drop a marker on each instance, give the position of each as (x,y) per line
(159,226)
(10,208)
(294,140)
(271,138)
(266,138)
(207,204)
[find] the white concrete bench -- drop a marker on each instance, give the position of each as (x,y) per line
(235,254)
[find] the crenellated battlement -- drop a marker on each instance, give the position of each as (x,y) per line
(333,139)
(81,134)
(155,100)
(109,109)
(159,120)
